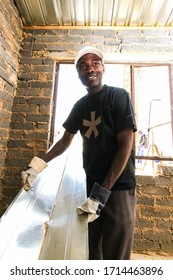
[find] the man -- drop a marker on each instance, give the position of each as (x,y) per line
(105,119)
(142,139)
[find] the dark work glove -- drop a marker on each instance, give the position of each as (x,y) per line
(95,202)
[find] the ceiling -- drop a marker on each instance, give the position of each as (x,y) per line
(95,13)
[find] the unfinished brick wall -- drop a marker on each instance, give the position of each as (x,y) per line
(30,125)
(154,219)
(10,44)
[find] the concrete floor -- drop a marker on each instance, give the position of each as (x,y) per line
(151,256)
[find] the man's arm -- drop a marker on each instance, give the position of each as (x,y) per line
(100,194)
(60,147)
(125,144)
(37,164)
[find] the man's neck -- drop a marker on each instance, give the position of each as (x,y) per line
(95,90)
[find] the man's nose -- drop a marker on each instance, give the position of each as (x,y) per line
(90,68)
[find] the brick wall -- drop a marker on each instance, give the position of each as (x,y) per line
(26,112)
(31,112)
(10,44)
(154,217)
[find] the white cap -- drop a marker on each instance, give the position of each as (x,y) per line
(86,50)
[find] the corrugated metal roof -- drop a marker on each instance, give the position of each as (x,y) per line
(133,13)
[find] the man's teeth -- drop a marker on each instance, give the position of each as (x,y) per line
(91,77)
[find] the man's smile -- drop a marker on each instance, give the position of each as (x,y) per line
(92,76)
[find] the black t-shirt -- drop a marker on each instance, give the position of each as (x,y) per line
(99,117)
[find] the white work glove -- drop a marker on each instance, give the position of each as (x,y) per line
(94,203)
(28,176)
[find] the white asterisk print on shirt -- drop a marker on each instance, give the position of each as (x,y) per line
(92,125)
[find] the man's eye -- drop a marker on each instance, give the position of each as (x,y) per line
(96,63)
(82,66)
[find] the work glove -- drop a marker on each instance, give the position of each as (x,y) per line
(34,168)
(94,203)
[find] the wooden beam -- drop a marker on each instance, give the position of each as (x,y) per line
(53,27)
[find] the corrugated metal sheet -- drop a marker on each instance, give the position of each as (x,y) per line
(134,13)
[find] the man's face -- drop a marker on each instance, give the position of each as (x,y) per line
(90,70)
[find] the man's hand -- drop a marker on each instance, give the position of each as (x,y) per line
(35,167)
(95,202)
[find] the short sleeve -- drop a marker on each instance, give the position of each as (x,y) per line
(124,112)
(72,122)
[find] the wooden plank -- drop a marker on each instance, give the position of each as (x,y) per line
(86,27)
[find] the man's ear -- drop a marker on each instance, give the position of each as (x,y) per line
(103,68)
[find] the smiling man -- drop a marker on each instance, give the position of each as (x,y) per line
(93,62)
(105,119)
